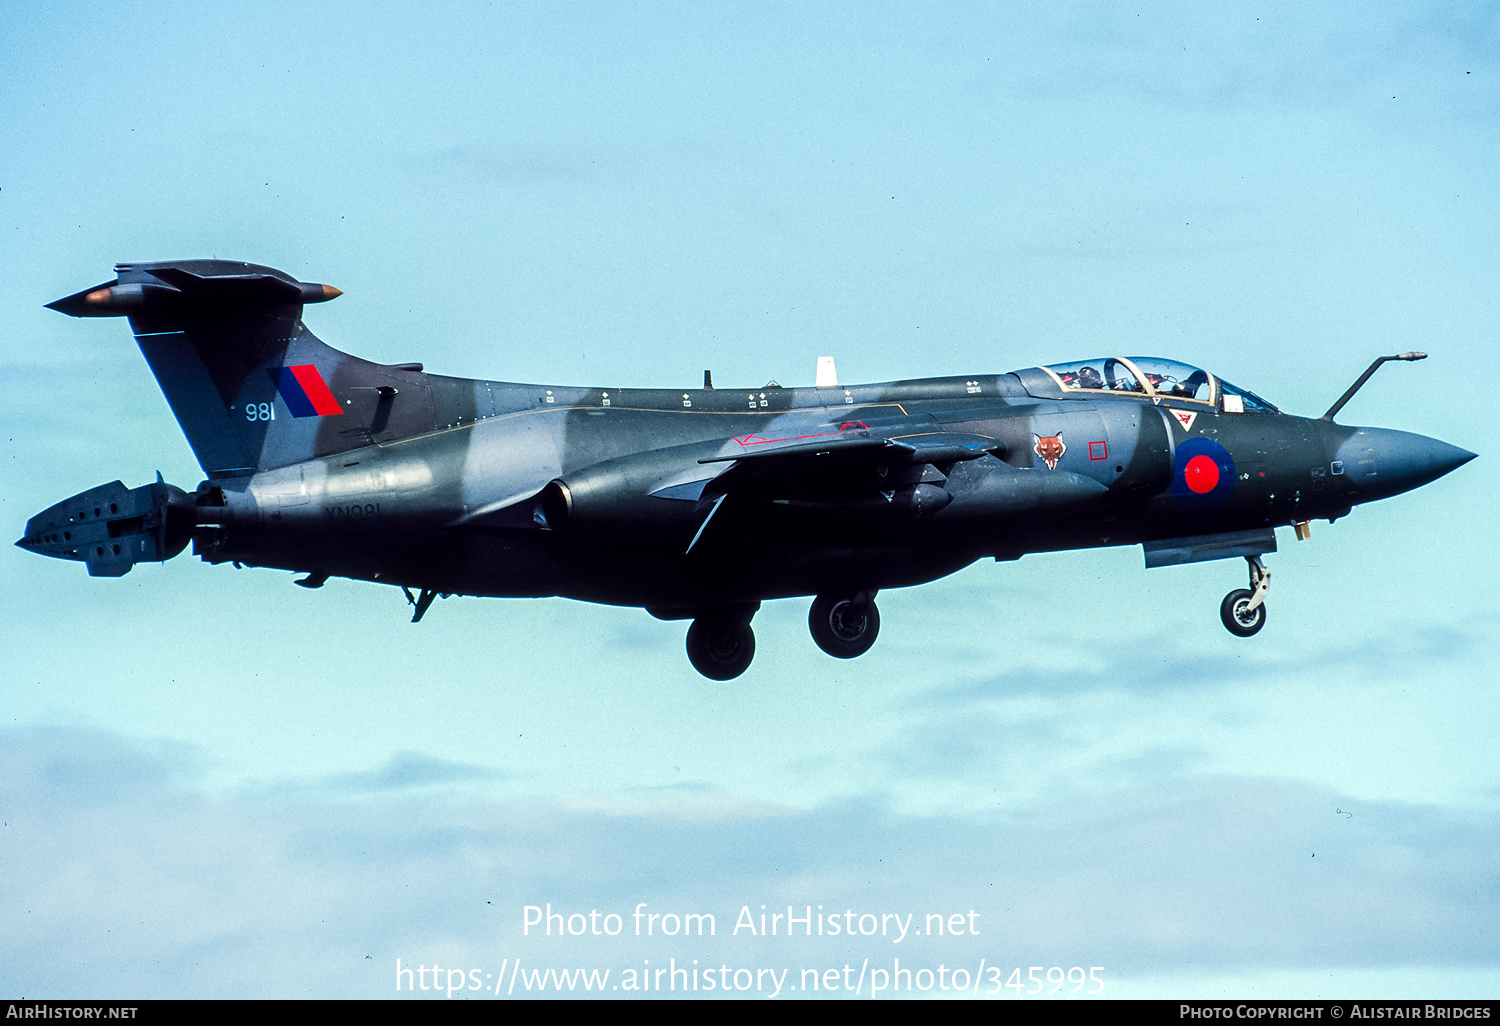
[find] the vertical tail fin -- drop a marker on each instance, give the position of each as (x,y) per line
(251,387)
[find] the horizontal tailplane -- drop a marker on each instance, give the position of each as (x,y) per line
(251,387)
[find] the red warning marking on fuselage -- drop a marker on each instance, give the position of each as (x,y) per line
(1185,418)
(758,440)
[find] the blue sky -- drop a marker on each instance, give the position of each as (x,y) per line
(213,782)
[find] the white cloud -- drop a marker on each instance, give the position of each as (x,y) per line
(123,880)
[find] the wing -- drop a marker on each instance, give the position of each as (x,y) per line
(899,464)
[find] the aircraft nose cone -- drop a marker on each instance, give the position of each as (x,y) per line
(1380,462)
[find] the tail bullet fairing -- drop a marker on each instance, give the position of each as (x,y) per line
(695,504)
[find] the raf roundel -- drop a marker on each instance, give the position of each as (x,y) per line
(1204,472)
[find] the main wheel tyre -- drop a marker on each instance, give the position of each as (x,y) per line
(839,630)
(720,649)
(1237,615)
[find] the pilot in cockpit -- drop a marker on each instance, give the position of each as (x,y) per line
(1088,378)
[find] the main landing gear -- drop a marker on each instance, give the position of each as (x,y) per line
(844,626)
(720,643)
(1244,612)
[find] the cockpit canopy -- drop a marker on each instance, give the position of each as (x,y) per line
(1141,377)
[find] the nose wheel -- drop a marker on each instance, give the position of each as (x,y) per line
(844,626)
(1244,611)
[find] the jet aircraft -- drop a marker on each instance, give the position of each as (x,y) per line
(694,504)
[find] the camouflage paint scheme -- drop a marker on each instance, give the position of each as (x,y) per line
(694,504)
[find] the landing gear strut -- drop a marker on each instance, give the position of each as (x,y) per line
(421,602)
(720,644)
(1244,612)
(844,626)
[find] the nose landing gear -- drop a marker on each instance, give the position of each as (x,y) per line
(1244,612)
